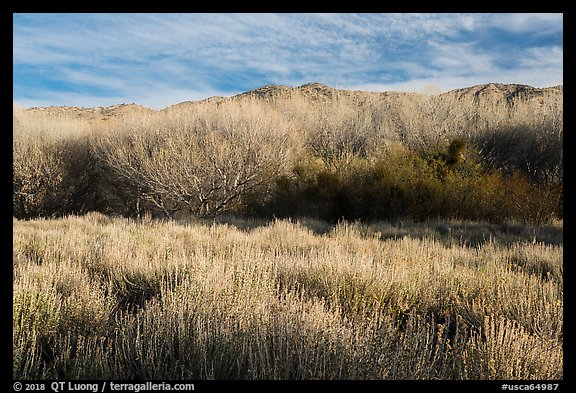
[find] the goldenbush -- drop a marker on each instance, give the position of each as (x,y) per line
(449,183)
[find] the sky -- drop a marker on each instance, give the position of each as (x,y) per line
(157,60)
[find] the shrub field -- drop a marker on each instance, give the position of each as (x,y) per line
(112,298)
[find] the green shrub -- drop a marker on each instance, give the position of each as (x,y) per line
(441,183)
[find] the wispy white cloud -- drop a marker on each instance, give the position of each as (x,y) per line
(541,57)
(459,58)
(539,24)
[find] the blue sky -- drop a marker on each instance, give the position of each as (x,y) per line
(161,59)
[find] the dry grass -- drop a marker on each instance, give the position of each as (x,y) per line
(110,298)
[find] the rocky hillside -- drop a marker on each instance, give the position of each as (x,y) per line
(99,112)
(317,93)
(507,92)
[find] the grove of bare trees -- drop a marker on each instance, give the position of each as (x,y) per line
(364,155)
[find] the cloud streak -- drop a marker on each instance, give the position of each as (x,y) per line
(161,59)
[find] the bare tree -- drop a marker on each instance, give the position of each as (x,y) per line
(203,164)
(51,172)
(339,133)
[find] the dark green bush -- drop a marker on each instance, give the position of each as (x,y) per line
(449,183)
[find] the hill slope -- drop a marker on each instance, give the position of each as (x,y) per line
(317,92)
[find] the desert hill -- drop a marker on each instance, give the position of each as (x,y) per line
(489,91)
(507,92)
(99,112)
(317,92)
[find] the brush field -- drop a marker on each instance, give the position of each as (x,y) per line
(97,297)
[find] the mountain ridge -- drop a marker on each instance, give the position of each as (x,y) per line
(315,91)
